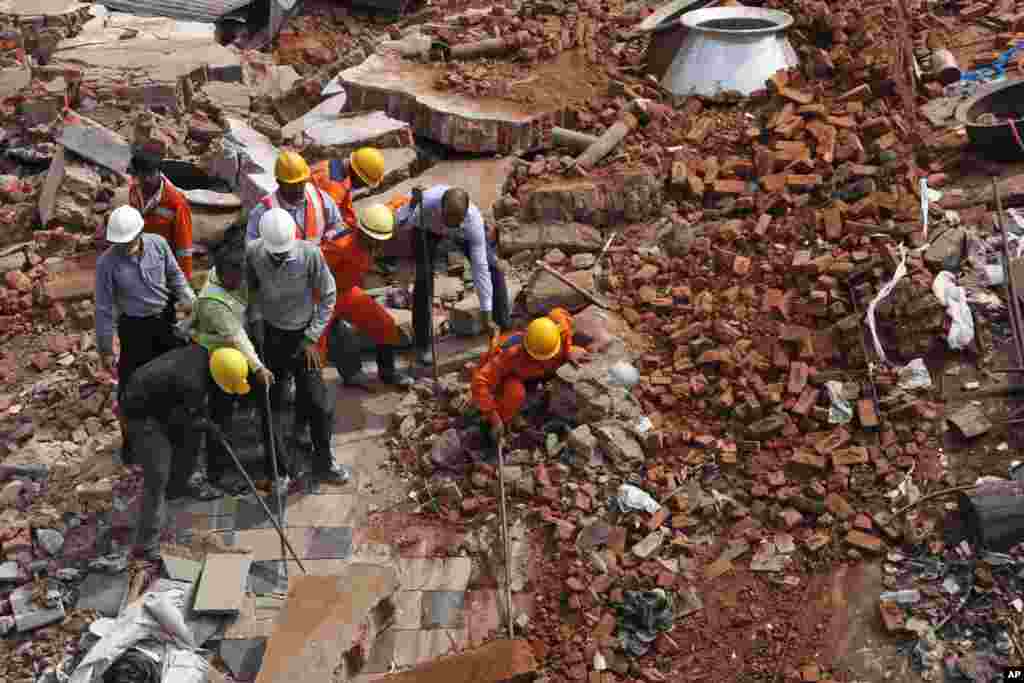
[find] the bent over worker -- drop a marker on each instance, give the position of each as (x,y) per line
(340,178)
(350,257)
(312,210)
(448,212)
(163,404)
(137,276)
(499,383)
(164,208)
(292,289)
(218,321)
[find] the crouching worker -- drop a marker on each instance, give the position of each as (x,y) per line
(350,257)
(517,359)
(163,404)
(218,321)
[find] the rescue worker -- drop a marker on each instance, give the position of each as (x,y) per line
(293,292)
(340,178)
(164,208)
(312,209)
(448,212)
(164,404)
(218,321)
(137,276)
(499,384)
(350,257)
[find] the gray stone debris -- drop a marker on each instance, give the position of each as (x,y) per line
(51,540)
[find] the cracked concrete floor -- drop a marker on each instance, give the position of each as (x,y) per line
(329,529)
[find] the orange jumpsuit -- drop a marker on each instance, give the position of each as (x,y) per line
(338,190)
(171,218)
(499,383)
(349,262)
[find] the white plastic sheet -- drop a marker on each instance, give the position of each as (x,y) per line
(954,298)
(155,617)
(901,272)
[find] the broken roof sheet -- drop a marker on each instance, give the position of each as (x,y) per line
(183,10)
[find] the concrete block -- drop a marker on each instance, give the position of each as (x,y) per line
(571,238)
(338,137)
(103,593)
(435,574)
(92,141)
(628,197)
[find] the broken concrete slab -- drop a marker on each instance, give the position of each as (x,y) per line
(444,609)
(145,60)
(627,197)
(233,99)
(104,593)
(465,315)
(182,569)
(403,649)
(406,90)
(69,193)
(92,141)
(495,662)
(329,543)
(970,421)
(28,615)
(331,138)
(222,585)
(245,159)
(243,657)
(571,238)
(546,292)
(323,619)
(325,112)
(483,179)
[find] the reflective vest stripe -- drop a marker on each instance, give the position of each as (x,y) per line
(314,220)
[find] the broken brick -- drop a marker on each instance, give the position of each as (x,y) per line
(798,375)
(857,455)
(867,414)
(807,400)
(838,506)
(832,441)
(805,457)
(863,541)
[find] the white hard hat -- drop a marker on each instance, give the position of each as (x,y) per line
(124,225)
(277,228)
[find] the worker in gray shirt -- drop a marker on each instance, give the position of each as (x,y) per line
(292,290)
(137,277)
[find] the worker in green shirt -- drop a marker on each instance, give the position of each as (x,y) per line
(218,321)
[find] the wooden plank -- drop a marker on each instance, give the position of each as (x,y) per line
(222,585)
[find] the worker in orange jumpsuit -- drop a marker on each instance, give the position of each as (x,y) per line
(340,178)
(518,358)
(349,255)
(164,208)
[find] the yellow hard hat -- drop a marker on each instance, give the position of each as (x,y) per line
(377,221)
(230,370)
(291,168)
(368,163)
(543,339)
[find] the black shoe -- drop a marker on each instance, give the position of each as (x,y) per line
(360,380)
(397,379)
(425,357)
(334,474)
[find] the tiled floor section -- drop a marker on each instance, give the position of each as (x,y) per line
(328,527)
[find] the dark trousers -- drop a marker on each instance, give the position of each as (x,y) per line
(222,414)
(142,340)
(168,458)
(344,352)
(425,248)
(282,353)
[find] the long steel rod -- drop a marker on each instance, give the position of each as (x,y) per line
(504,532)
(252,487)
(272,448)
(1011,291)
